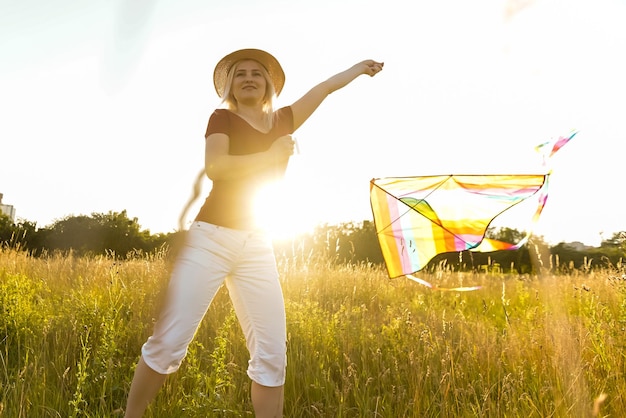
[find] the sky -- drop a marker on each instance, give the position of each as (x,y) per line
(104,104)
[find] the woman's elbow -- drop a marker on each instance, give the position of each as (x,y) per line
(218,171)
(212,171)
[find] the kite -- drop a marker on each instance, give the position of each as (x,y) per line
(417,218)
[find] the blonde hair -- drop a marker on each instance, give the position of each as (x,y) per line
(229,101)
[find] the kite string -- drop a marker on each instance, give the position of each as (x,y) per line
(449,289)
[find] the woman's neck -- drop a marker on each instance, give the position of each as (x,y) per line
(251,112)
(254,115)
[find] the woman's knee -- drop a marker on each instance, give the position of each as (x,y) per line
(268,369)
(164,356)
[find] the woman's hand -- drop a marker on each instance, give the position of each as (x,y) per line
(371,67)
(220,165)
(283,147)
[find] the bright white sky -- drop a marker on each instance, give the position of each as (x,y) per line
(103,104)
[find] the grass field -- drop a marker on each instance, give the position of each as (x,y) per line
(359,344)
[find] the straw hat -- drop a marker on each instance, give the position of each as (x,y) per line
(270,63)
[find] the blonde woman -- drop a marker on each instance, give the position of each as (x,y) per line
(248,143)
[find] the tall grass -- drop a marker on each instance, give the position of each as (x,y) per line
(359,345)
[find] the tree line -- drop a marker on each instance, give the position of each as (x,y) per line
(117,235)
(112,233)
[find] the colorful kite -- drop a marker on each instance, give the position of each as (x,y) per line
(417,218)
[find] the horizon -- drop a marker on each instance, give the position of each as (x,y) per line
(285,234)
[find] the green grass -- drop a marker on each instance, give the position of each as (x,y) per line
(359,344)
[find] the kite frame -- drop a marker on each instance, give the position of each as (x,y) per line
(484,244)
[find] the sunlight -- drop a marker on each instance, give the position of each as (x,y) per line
(277,211)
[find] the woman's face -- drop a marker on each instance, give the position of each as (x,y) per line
(249,84)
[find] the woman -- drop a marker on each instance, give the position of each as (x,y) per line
(247,145)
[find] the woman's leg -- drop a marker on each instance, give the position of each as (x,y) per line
(197,276)
(145,386)
(257,297)
(267,401)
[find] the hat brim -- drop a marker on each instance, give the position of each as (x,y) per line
(271,64)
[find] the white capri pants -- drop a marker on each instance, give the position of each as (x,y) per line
(245,261)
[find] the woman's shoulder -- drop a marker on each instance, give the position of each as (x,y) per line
(221,116)
(283,110)
(284,113)
(219,122)
(221,112)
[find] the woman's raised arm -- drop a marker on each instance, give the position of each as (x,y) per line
(306,105)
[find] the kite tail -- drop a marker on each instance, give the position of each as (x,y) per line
(549,148)
(449,289)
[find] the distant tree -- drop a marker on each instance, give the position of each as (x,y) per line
(351,242)
(79,233)
(618,240)
(505,234)
(121,234)
(25,235)
(17,235)
(7,229)
(367,247)
(111,233)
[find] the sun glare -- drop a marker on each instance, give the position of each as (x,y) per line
(276,211)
